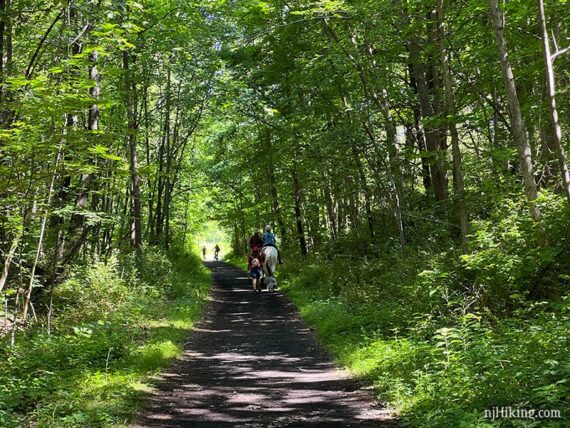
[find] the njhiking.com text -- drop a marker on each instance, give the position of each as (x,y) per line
(509,412)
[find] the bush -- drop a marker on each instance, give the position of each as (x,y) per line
(444,336)
(112,330)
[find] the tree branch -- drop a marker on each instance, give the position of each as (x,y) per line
(288,24)
(560,52)
(35,56)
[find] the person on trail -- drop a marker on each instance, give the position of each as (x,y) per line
(255,246)
(255,271)
(256,241)
(269,241)
(216,252)
(204,252)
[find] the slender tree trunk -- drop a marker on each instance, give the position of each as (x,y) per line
(451,111)
(551,99)
(422,149)
(367,195)
(330,209)
(28,296)
(78,227)
(517,123)
(393,167)
(8,42)
(393,188)
(438,176)
(8,261)
(270,172)
(159,192)
(93,127)
(78,220)
(150,182)
(298,215)
(169,155)
(6,48)
(95,92)
(361,175)
(135,199)
(185,229)
(418,133)
(3,17)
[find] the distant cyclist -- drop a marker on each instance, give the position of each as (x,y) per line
(204,252)
(216,252)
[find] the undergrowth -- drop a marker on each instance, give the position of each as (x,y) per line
(444,336)
(113,330)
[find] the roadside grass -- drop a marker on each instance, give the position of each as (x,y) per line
(115,330)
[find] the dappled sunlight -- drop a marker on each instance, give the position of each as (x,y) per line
(253,360)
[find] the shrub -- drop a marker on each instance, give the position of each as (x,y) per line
(112,329)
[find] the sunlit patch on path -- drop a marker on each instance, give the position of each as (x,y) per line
(252,362)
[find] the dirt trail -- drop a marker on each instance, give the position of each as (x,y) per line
(251,362)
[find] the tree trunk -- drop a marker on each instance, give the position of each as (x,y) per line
(28,295)
(5,60)
(94,91)
(135,199)
(551,99)
(432,135)
(77,228)
(3,17)
(451,111)
(394,192)
(517,123)
(169,155)
(270,173)
(418,133)
(330,209)
(298,216)
(8,261)
(367,195)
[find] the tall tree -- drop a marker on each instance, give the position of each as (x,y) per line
(551,99)
(517,122)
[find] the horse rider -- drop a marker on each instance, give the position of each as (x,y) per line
(269,241)
(255,245)
(256,241)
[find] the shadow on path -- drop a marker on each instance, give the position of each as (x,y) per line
(251,362)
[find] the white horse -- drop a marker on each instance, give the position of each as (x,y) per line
(269,266)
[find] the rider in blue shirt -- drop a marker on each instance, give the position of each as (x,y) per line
(268,237)
(269,241)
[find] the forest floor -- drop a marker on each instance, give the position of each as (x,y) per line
(252,362)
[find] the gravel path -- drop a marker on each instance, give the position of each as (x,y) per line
(251,362)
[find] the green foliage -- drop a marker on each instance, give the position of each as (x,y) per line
(444,370)
(112,332)
(444,336)
(311,117)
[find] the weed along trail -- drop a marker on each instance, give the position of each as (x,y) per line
(251,362)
